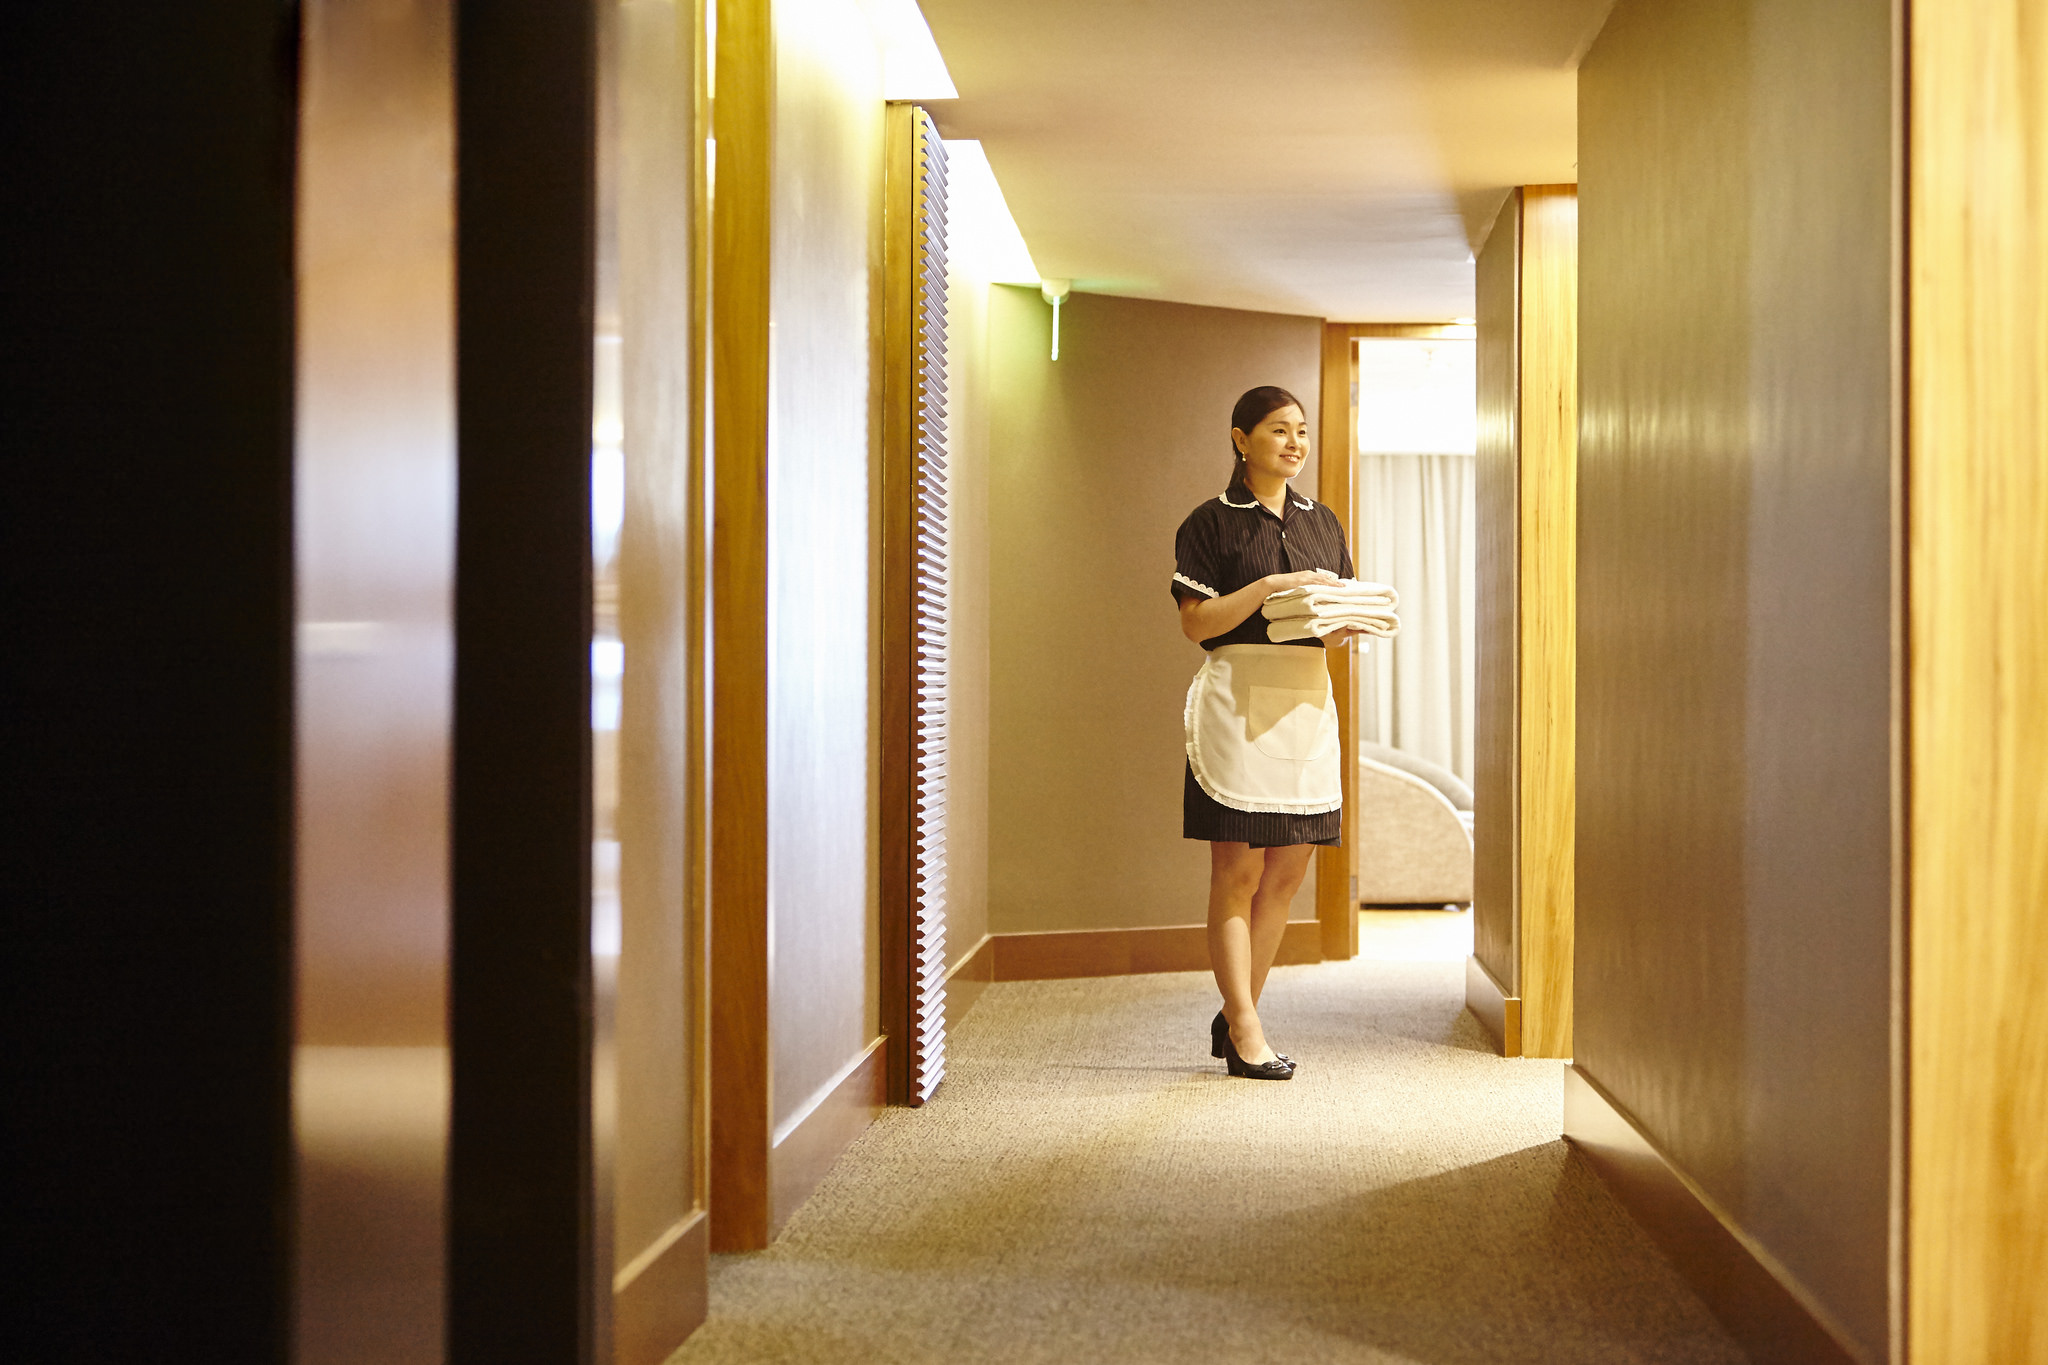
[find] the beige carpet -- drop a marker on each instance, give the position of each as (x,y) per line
(1089,1186)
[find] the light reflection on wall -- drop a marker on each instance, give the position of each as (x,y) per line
(374,557)
(607,650)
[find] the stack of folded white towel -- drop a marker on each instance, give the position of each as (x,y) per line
(1324,608)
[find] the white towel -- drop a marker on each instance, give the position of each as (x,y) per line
(1322,609)
(1316,627)
(1347,594)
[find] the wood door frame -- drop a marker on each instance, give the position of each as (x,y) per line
(1974,939)
(1527,751)
(1547,616)
(742,1125)
(1336,903)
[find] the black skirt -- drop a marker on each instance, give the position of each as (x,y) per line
(1204,817)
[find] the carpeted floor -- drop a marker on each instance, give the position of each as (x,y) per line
(1089,1186)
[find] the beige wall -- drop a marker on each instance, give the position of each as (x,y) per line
(967,750)
(1736,559)
(824,969)
(1094,461)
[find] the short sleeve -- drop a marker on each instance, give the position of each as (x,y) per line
(1195,560)
(1343,548)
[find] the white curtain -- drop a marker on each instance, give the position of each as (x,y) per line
(1415,520)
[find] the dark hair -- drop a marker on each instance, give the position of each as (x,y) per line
(1256,406)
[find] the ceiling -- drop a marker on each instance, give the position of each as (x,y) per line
(1338,158)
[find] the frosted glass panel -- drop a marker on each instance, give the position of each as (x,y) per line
(1416,397)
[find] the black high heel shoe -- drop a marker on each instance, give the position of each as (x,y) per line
(1279,1069)
(1219,1038)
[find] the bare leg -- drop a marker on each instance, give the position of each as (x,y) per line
(1285,867)
(1235,873)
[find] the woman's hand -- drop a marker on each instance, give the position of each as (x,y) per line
(1281,582)
(1205,618)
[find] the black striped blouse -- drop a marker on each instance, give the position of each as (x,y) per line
(1234,539)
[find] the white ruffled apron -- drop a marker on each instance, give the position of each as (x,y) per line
(1262,729)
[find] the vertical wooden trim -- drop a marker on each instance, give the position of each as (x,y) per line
(743,113)
(1336,909)
(1977,568)
(1547,628)
(520,1241)
(697,924)
(1496,831)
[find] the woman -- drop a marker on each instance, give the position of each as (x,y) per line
(1262,777)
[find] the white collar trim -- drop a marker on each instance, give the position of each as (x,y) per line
(1299,501)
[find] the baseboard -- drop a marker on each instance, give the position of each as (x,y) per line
(1499,1013)
(659,1298)
(967,979)
(1762,1305)
(803,1155)
(1064,954)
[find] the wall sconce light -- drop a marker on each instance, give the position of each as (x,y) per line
(1055,293)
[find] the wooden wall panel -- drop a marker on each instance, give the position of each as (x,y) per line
(1496,788)
(824,222)
(1736,694)
(796,223)
(1547,575)
(1978,360)
(740,1117)
(650,295)
(375,559)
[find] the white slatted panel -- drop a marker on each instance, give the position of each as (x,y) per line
(932,612)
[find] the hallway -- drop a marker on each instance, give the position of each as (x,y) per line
(577,564)
(1088,1186)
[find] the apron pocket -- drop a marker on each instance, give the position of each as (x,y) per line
(1290,723)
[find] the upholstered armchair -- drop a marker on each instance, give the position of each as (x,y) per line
(1413,829)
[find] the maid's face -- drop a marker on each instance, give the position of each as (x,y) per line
(1277,447)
